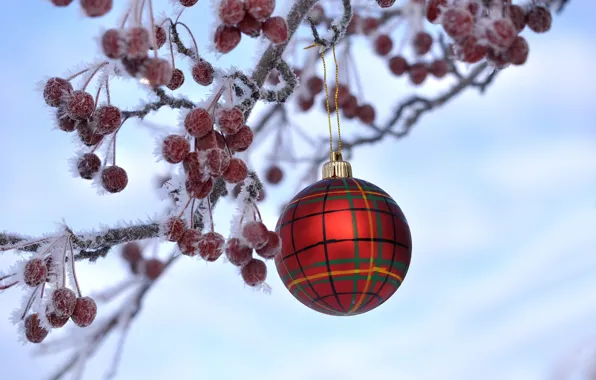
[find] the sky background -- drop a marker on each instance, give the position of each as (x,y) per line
(499,191)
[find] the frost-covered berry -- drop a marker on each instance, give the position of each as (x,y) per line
(211,246)
(64,301)
(175,148)
(272,248)
(35,272)
(418,73)
(153,268)
(189,242)
(229,120)
(212,140)
(80,105)
(188,3)
(366,114)
(385,3)
(133,66)
(517,53)
(33,330)
(218,161)
(422,42)
(56,90)
(88,165)
(157,72)
(132,253)
(260,9)
(398,65)
(174,228)
(250,26)
(501,33)
(160,37)
(107,119)
(236,171)
(434,9)
(470,50)
(114,179)
(383,44)
(276,29)
(65,123)
(539,19)
(255,234)
(84,312)
(237,253)
(56,321)
(137,42)
(112,44)
(87,133)
(192,166)
(517,16)
(457,22)
(177,80)
(231,12)
(198,122)
(497,59)
(202,72)
(254,272)
(274,175)
(226,38)
(203,191)
(61,3)
(240,141)
(96,8)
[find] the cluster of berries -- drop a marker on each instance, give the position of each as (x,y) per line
(92,8)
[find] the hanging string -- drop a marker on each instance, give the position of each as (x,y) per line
(327,98)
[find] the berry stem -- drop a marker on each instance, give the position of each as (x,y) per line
(179,14)
(125,18)
(25,244)
(4,287)
(191,35)
(29,302)
(97,94)
(73,76)
(72,263)
(93,74)
(107,91)
(210,214)
(185,207)
(7,276)
(171,47)
(254,205)
(114,150)
(216,98)
(192,213)
(153,41)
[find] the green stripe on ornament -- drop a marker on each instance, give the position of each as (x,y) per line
(356,250)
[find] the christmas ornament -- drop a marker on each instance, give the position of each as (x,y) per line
(346,245)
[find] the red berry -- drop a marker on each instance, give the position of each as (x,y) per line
(517,16)
(501,33)
(133,65)
(305,103)
(175,149)
(539,19)
(218,161)
(112,44)
(434,9)
(80,105)
(160,37)
(518,51)
(96,8)
(240,141)
(255,234)
(212,140)
(229,120)
(231,12)
(385,3)
(497,58)
(398,65)
(276,29)
(132,253)
(188,3)
(88,165)
(236,171)
(383,45)
(35,272)
(107,119)
(192,166)
(56,321)
(471,51)
(153,268)
(114,179)
(65,123)
(226,38)
(418,73)
(56,90)
(237,253)
(197,188)
(157,72)
(274,175)
(254,272)
(174,229)
(250,26)
(366,114)
(343,94)
(439,68)
(33,330)
(350,108)
(369,25)
(86,131)
(272,248)
(211,246)
(176,80)
(198,122)
(64,301)
(202,72)
(457,22)
(260,9)
(189,242)
(84,312)
(315,85)
(422,42)
(61,3)
(137,42)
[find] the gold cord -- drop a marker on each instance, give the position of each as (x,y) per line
(327,99)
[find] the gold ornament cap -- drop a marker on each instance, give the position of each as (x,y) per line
(337,167)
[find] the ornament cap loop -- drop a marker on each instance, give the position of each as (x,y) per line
(337,167)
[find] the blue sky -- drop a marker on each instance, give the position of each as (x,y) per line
(499,190)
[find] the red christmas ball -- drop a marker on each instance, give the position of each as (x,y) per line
(346,246)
